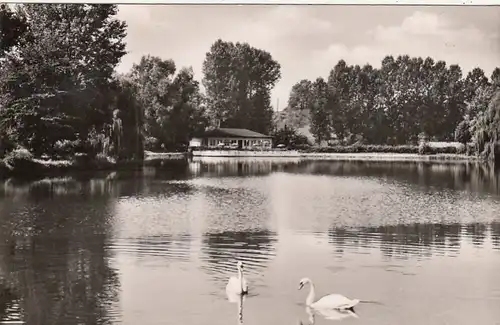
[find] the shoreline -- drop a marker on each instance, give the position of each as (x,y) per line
(40,168)
(365,156)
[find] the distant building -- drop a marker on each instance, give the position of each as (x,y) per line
(232,138)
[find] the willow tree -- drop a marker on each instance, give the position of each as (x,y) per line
(487,130)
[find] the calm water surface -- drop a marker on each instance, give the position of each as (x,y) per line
(418,244)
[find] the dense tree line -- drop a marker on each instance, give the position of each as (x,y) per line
(399,102)
(60,95)
(57,85)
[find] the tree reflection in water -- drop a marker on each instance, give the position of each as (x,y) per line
(414,240)
(495,234)
(53,256)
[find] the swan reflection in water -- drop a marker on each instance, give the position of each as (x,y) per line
(239,299)
(329,314)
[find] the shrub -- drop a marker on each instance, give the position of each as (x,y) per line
(66,148)
(423,148)
(151,143)
(20,159)
(358,148)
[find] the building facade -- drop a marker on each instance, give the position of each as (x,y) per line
(225,138)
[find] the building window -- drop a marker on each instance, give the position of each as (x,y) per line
(246,143)
(212,142)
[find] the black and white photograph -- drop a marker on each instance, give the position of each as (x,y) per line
(250,163)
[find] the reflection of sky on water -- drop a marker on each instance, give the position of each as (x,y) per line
(407,236)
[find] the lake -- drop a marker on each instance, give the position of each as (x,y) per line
(416,243)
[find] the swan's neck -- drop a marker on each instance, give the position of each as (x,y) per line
(311,295)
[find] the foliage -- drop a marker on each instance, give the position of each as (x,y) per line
(238,79)
(172,103)
(55,83)
(395,103)
(288,137)
(131,115)
(402,149)
(487,131)
(19,158)
(462,133)
(320,127)
(12,27)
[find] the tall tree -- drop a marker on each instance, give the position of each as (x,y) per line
(172,103)
(338,95)
(152,78)
(320,127)
(187,116)
(238,79)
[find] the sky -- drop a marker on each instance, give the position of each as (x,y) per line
(309,40)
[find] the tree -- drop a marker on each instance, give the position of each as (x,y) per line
(495,77)
(338,95)
(172,103)
(59,75)
(188,111)
(132,116)
(238,79)
(301,96)
(462,133)
(289,137)
(152,78)
(319,114)
(487,131)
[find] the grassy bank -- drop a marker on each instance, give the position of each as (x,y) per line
(21,163)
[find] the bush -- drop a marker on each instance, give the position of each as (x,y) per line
(358,148)
(151,143)
(65,148)
(20,159)
(423,148)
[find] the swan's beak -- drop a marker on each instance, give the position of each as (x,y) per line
(300,286)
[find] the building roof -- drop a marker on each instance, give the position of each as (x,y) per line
(230,132)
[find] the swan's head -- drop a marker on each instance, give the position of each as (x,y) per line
(303,282)
(239,265)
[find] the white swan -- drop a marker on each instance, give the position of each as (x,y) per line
(333,301)
(238,284)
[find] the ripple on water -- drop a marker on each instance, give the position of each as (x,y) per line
(220,251)
(414,240)
(172,247)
